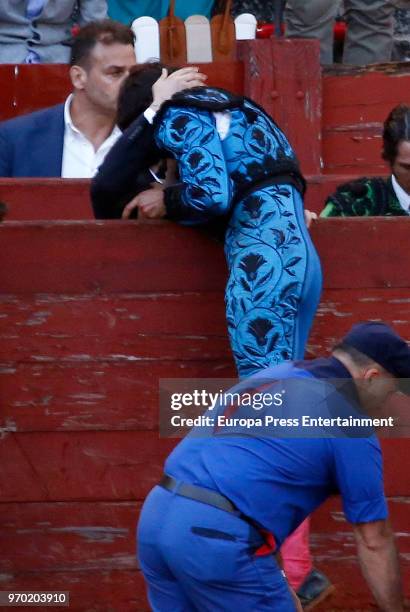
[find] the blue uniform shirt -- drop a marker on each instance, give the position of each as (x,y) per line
(279,481)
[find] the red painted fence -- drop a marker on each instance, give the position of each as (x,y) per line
(90,320)
(94,313)
(58,199)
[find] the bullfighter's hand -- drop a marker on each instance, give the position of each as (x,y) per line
(166,86)
(150,204)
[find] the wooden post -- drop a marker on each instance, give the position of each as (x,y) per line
(284,76)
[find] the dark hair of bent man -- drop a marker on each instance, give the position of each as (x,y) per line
(136,91)
(106,32)
(396,129)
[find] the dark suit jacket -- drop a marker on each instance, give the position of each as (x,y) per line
(125,170)
(32,145)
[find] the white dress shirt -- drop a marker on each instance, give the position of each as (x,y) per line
(80,160)
(402,196)
(222,121)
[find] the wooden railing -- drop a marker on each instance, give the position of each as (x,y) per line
(92,316)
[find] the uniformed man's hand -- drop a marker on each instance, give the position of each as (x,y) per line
(166,86)
(296,600)
(150,204)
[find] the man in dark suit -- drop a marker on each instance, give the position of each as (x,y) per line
(71,139)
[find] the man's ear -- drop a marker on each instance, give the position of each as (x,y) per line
(371,373)
(78,77)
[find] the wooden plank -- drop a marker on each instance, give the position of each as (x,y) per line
(368,94)
(377,268)
(354,152)
(279,70)
(68,199)
(29,323)
(228,75)
(49,327)
(92,395)
(124,590)
(354,109)
(7,80)
(86,256)
(103,396)
(114,465)
(92,591)
(115,395)
(115,316)
(88,549)
(22,93)
(111,257)
(115,347)
(79,536)
(339,309)
(28,96)
(51,199)
(92,536)
(81,466)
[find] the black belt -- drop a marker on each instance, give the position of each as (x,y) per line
(206,496)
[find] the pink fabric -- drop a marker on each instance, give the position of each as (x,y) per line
(295,551)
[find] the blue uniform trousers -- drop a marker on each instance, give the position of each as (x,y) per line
(198,558)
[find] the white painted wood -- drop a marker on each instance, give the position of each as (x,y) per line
(245,26)
(146,30)
(198,39)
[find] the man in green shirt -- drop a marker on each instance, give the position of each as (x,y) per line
(378,196)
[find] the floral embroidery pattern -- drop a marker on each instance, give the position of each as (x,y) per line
(265,244)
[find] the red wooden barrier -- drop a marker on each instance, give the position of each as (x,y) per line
(355,104)
(27,88)
(49,199)
(68,199)
(92,315)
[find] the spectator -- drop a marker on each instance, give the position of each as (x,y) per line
(39,31)
(263,10)
(378,196)
(128,10)
(401,41)
(369,37)
(71,139)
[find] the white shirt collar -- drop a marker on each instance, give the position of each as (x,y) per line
(80,160)
(68,122)
(402,196)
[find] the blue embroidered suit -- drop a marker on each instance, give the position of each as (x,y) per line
(274,280)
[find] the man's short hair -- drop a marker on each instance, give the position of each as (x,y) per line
(106,32)
(396,129)
(359,358)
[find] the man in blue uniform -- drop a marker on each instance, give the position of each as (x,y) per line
(202,535)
